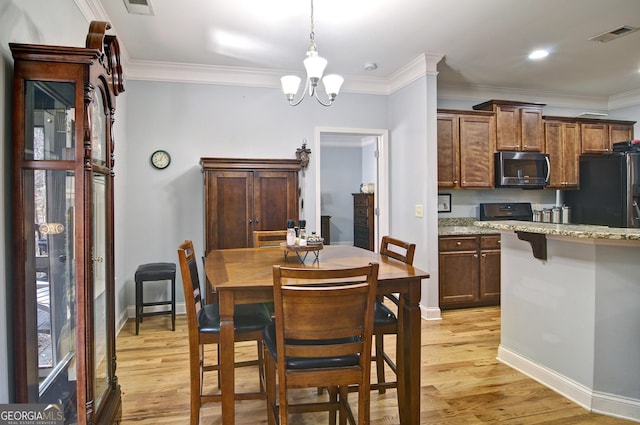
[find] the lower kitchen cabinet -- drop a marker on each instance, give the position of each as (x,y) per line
(469,270)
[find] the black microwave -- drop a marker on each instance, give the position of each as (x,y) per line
(528,170)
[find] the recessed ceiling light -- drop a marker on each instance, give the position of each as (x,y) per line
(538,54)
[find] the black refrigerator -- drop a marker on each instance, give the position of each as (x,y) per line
(609,190)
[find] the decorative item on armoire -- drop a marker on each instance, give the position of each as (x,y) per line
(302,155)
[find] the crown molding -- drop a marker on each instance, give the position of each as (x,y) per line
(624,100)
(425,64)
(481,93)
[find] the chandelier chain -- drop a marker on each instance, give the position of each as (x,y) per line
(312,34)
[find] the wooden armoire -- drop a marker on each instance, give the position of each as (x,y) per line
(62,227)
(243,195)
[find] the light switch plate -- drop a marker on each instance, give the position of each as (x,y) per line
(419,211)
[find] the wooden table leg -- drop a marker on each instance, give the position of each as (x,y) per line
(409,367)
(227,371)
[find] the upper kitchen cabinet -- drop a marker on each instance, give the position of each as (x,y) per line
(562,141)
(598,136)
(63,280)
(243,195)
(466,141)
(518,125)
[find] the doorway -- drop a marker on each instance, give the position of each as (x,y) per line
(373,144)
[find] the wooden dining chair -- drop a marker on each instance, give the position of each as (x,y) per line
(385,321)
(203,322)
(321,336)
(268,238)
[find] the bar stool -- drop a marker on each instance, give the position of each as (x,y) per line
(154,272)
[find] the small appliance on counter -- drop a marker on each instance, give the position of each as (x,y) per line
(506,211)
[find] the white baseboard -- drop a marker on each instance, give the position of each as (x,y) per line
(430,313)
(594,401)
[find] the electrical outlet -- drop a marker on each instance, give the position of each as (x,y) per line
(419,211)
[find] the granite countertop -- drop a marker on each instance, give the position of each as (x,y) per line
(462,226)
(572,230)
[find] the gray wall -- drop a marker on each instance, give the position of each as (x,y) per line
(341,171)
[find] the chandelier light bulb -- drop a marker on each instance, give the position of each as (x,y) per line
(290,84)
(332,84)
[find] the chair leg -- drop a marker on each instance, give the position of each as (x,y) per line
(333,398)
(261,375)
(270,384)
(195,373)
(343,393)
(138,309)
(218,363)
(364,404)
(379,338)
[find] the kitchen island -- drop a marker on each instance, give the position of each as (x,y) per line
(571,311)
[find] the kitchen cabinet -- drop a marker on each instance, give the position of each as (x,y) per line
(466,141)
(562,141)
(598,136)
(243,195)
(63,280)
(469,271)
(518,125)
(363,221)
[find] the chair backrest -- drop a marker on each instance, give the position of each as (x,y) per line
(316,305)
(266,238)
(191,284)
(400,250)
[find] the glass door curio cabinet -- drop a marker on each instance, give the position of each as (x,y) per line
(63,268)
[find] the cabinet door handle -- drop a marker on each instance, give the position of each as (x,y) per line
(475,255)
(250,221)
(257,220)
(484,255)
(458,243)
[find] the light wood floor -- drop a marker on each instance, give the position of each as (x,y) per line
(462,383)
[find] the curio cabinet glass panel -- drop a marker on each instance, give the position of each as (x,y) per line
(62,216)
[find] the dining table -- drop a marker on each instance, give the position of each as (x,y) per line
(245,275)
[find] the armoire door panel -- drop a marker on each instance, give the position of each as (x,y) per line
(273,200)
(231,199)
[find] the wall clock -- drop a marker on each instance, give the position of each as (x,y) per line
(160,159)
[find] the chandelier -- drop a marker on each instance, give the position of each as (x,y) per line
(315,66)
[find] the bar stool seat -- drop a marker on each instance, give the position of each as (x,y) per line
(154,272)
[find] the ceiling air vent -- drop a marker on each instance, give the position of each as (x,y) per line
(138,7)
(614,34)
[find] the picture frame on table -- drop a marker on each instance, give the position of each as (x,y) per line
(444,202)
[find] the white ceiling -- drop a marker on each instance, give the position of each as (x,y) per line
(484,42)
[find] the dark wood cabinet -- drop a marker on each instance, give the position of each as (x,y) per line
(466,141)
(243,195)
(562,141)
(598,136)
(518,125)
(363,221)
(325,228)
(469,271)
(63,226)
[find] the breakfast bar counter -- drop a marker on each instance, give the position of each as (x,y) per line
(571,317)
